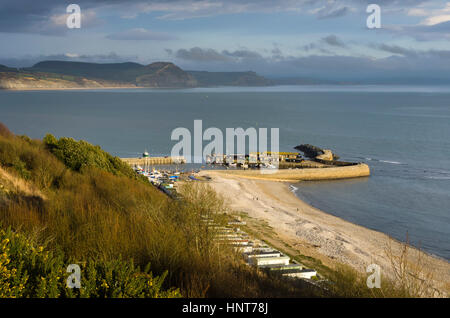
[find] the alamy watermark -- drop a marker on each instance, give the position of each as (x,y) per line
(74,279)
(374,279)
(235,145)
(374,19)
(73,20)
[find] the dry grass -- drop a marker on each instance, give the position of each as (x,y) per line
(410,273)
(96,215)
(18,185)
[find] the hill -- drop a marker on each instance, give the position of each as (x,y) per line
(159,74)
(22,79)
(64,74)
(4,68)
(64,202)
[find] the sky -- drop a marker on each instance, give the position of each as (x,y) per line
(277,38)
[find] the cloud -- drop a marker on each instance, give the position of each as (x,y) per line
(201,55)
(141,34)
(405,63)
(46,17)
(437,19)
(210,55)
(440,31)
(308,47)
(434,25)
(413,53)
(434,15)
(242,54)
(417,12)
(395,49)
(322,45)
(276,51)
(333,40)
(330,12)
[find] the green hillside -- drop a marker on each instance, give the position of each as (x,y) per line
(64,201)
(4,68)
(160,74)
(126,72)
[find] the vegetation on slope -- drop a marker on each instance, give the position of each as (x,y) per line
(29,270)
(28,79)
(78,155)
(86,210)
(159,74)
(68,202)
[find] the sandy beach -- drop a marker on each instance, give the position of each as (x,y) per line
(309,231)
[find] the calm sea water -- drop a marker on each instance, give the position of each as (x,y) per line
(403,133)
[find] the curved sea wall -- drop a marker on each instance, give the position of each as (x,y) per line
(307,174)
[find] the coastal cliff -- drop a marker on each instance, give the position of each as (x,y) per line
(27,81)
(67,75)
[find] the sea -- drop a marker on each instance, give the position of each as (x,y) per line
(401,132)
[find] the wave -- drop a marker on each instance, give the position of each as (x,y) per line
(383,161)
(437,177)
(391,162)
(293,189)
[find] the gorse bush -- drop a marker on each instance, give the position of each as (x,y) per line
(77,155)
(28,270)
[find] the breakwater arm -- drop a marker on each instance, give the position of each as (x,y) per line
(306,174)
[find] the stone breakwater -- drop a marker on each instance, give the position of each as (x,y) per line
(306,174)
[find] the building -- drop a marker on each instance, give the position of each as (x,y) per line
(258,260)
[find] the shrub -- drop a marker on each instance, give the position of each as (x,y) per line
(77,155)
(27,270)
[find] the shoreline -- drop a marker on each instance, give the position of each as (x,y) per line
(315,233)
(66,88)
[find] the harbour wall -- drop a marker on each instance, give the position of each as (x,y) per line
(306,174)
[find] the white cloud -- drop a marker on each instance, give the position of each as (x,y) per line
(188,9)
(72,55)
(417,12)
(436,19)
(433,14)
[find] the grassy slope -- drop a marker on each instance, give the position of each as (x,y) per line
(93,210)
(77,200)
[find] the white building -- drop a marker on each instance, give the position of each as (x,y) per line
(258,261)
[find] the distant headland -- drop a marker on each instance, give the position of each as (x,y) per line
(73,75)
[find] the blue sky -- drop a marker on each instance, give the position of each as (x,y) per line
(305,38)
